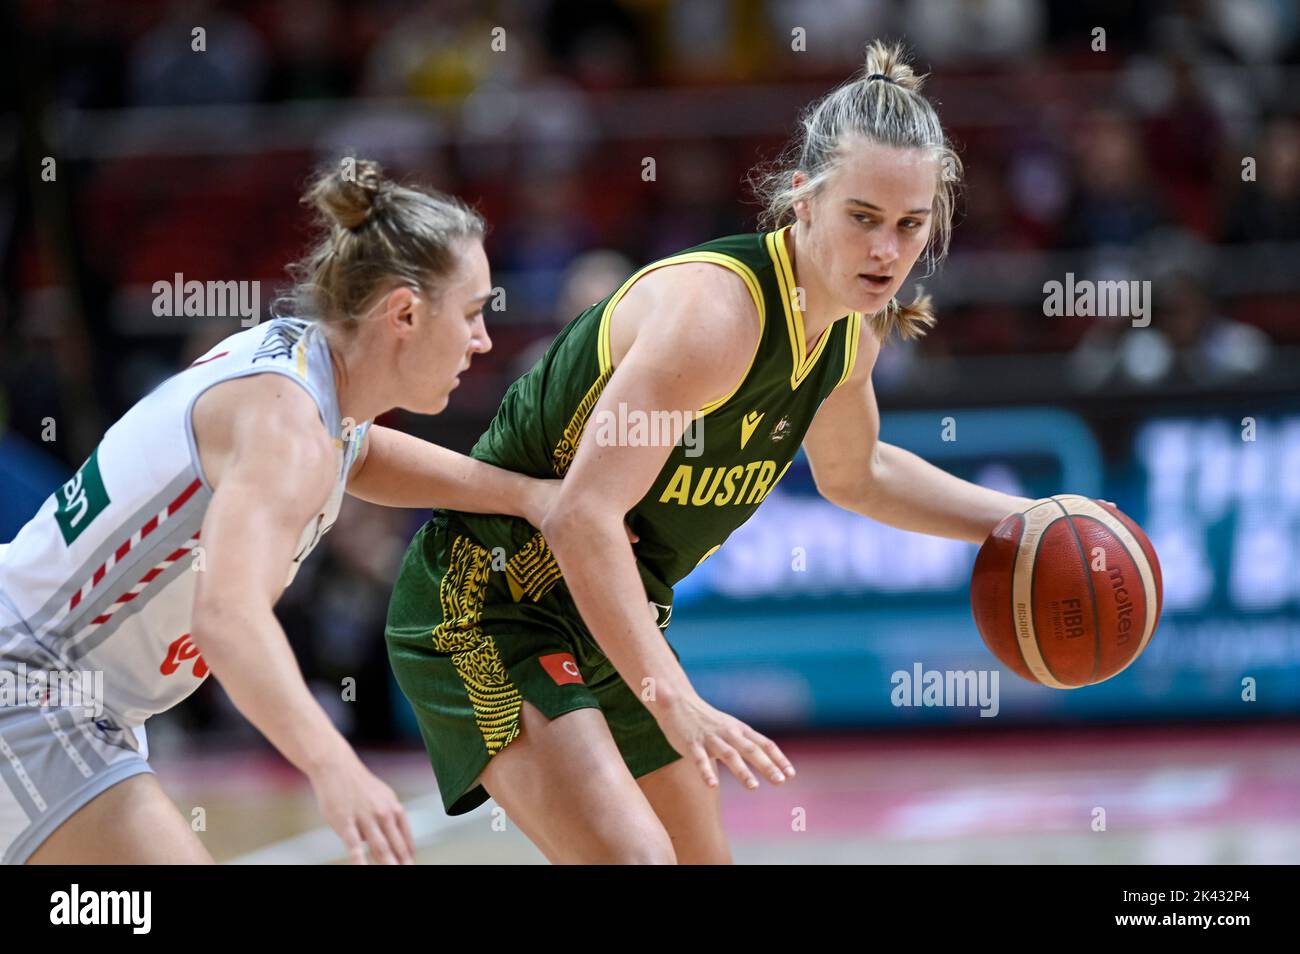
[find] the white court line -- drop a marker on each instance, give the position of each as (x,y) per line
(322,845)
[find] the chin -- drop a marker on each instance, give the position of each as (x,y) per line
(434,406)
(871,304)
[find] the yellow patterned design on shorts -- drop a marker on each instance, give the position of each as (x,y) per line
(534,568)
(562,456)
(474,654)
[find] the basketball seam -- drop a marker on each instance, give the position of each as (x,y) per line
(1092,591)
(1011,596)
(1154,600)
(1128,553)
(1033,623)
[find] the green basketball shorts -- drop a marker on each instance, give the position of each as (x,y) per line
(471,634)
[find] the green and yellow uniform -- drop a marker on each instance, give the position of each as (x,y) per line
(481,618)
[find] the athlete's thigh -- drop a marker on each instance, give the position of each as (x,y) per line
(690,811)
(564,783)
(134,822)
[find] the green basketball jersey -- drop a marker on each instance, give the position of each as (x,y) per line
(714,479)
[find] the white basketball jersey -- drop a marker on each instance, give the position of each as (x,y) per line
(103,577)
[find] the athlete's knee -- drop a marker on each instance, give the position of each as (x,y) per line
(642,851)
(627,840)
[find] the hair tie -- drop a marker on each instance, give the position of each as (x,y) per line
(880,76)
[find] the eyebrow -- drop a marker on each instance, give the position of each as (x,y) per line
(876,208)
(481,299)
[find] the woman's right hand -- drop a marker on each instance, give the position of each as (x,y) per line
(704,734)
(364,811)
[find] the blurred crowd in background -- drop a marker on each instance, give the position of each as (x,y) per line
(1164,149)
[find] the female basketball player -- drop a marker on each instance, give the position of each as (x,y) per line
(161,559)
(550,684)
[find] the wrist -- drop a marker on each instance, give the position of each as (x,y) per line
(665,696)
(536,503)
(325,757)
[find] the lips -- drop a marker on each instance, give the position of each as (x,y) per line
(878,282)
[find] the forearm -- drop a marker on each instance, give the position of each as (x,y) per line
(907,492)
(599,569)
(250,656)
(404,471)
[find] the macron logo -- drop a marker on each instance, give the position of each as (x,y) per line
(103,907)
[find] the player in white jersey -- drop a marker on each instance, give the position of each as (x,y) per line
(161,559)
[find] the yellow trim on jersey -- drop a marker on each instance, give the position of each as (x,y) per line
(793,315)
(853,334)
(301,348)
(713,258)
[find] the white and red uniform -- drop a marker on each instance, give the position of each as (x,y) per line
(102,579)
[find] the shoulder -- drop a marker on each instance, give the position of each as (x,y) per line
(710,283)
(689,302)
(262,421)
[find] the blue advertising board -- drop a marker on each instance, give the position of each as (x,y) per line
(810,615)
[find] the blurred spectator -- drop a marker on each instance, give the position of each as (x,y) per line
(1209,347)
(1115,202)
(307,62)
(1189,342)
(835,31)
(1257,31)
(1183,141)
(1268,209)
(589,278)
(693,200)
(546,230)
(438,51)
(967,32)
(166,69)
(601,43)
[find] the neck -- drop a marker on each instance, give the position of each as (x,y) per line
(360,397)
(820,311)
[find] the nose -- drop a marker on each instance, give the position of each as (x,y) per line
(480,343)
(885,249)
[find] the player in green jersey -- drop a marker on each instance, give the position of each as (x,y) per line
(535,658)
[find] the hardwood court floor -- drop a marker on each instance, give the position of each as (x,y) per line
(1218,794)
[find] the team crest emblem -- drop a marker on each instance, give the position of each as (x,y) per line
(781,430)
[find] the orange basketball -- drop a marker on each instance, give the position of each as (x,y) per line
(1067,593)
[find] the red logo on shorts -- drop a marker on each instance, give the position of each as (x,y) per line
(178,652)
(561,667)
